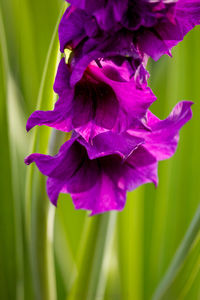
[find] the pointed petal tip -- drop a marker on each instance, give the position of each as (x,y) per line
(155,182)
(28,160)
(54,201)
(28,127)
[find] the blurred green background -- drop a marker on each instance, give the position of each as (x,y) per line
(48,253)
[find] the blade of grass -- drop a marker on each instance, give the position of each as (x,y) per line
(39,216)
(29,26)
(95,241)
(17,148)
(64,256)
(17,143)
(130,244)
(69,224)
(8,272)
(190,270)
(176,198)
(179,257)
(194,292)
(186,274)
(45,101)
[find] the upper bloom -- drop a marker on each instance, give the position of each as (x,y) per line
(103,99)
(98,175)
(124,30)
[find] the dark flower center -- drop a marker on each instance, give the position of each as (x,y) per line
(94,100)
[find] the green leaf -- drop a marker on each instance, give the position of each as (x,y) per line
(130,243)
(95,242)
(8,270)
(39,212)
(167,289)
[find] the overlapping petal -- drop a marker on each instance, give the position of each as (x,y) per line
(161,141)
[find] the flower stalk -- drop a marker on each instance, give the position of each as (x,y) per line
(96,239)
(179,257)
(39,215)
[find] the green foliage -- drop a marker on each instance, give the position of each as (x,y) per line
(141,253)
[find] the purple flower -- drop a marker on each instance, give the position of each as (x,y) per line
(107,13)
(168,32)
(124,30)
(104,99)
(80,32)
(98,176)
(132,14)
(93,7)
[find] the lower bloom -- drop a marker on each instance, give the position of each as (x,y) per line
(98,175)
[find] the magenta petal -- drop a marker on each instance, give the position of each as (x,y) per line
(109,143)
(54,188)
(88,5)
(59,118)
(48,164)
(70,169)
(166,34)
(141,168)
(71,29)
(62,77)
(163,138)
(119,103)
(188,14)
(104,196)
(117,48)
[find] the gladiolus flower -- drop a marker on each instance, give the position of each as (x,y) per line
(125,30)
(105,99)
(98,176)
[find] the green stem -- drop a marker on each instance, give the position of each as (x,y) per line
(47,96)
(33,144)
(96,238)
(43,213)
(179,257)
(130,243)
(11,100)
(39,212)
